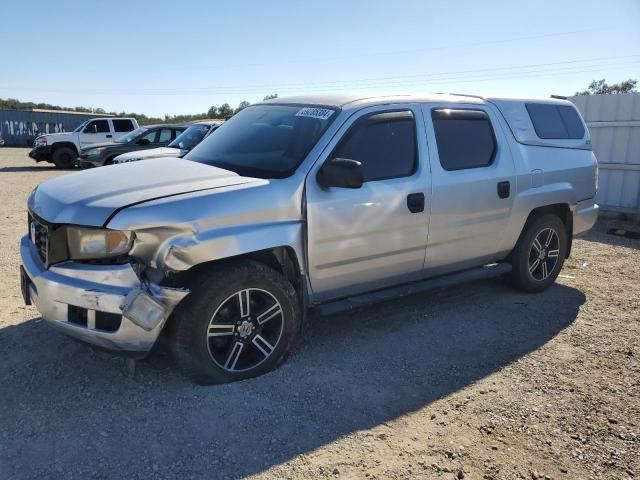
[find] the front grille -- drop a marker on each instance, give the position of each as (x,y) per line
(39,235)
(50,240)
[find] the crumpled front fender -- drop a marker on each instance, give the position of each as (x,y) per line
(185,251)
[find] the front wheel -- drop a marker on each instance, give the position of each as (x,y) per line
(239,321)
(64,157)
(539,254)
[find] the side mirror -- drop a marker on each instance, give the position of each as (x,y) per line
(143,141)
(91,129)
(341,173)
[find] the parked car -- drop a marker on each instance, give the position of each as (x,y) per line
(323,203)
(184,142)
(63,148)
(143,138)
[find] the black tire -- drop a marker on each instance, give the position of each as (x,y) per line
(527,274)
(64,157)
(209,354)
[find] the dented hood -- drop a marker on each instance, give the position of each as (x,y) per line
(90,197)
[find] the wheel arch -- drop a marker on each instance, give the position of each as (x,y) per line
(58,145)
(562,211)
(282,259)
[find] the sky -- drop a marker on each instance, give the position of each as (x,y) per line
(161,57)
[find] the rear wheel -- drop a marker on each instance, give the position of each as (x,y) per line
(238,322)
(64,157)
(539,254)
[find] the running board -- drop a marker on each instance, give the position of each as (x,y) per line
(443,281)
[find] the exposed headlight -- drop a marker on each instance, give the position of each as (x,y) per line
(40,141)
(88,243)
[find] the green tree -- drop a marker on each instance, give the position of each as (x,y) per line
(601,86)
(213,112)
(244,104)
(225,111)
(269,97)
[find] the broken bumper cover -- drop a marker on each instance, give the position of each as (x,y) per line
(98,290)
(40,153)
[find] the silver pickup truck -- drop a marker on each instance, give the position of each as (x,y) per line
(322,203)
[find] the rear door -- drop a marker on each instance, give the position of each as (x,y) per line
(121,126)
(473,186)
(374,236)
(167,135)
(96,131)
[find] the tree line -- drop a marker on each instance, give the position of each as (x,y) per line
(602,87)
(224,111)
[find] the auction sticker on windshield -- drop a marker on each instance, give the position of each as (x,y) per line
(314,112)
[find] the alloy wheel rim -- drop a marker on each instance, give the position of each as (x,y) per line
(543,255)
(245,330)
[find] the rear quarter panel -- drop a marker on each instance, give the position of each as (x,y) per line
(548,176)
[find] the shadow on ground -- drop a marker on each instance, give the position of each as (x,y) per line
(35,168)
(67,411)
(599,233)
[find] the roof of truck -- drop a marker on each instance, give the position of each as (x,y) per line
(348,101)
(513,109)
(342,100)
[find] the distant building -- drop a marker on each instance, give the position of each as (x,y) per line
(19,128)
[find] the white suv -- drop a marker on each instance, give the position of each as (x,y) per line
(63,148)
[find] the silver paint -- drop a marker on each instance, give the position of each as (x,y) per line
(346,241)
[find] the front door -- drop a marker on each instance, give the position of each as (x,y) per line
(374,236)
(96,131)
(473,187)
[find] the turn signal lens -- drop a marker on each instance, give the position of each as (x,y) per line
(117,242)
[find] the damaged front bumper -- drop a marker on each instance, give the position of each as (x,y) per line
(41,153)
(104,305)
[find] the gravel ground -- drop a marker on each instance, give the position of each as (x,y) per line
(473,382)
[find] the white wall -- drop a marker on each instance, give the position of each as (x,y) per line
(614,123)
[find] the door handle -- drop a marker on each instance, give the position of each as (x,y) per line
(109,136)
(415,202)
(504,189)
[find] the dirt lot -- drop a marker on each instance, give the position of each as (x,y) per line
(474,382)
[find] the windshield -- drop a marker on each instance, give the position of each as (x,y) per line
(265,141)
(190,137)
(81,126)
(131,136)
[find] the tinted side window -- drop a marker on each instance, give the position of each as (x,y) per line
(166,135)
(385,143)
(101,126)
(464,137)
(123,125)
(152,135)
(555,121)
